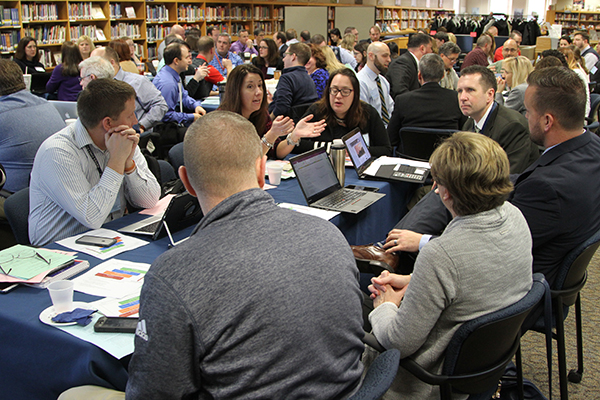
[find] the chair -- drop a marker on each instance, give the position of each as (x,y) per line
(571,278)
(167,173)
(176,156)
(379,377)
(480,349)
(16,208)
(297,111)
(419,143)
(592,118)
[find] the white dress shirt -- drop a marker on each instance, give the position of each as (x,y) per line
(369,92)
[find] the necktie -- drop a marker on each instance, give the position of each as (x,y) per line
(385,116)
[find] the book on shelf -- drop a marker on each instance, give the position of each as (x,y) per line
(100,34)
(97,13)
(125,29)
(115,11)
(9,40)
(10,16)
(39,12)
(130,12)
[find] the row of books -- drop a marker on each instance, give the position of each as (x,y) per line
(10,16)
(78,11)
(157,32)
(190,13)
(157,13)
(240,13)
(49,58)
(115,11)
(80,30)
(217,13)
(268,27)
(39,12)
(123,29)
(139,50)
(9,40)
(46,34)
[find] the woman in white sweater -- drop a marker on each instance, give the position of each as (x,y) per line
(480,264)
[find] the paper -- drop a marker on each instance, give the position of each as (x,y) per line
(126,306)
(160,206)
(317,212)
(22,263)
(212,100)
(124,243)
(113,278)
(385,160)
(118,345)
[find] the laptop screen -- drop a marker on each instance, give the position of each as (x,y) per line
(315,173)
(357,149)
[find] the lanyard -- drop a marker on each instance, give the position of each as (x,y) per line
(89,150)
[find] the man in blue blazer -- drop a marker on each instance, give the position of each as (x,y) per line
(558,194)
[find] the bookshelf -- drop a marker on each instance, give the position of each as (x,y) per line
(574,20)
(393,19)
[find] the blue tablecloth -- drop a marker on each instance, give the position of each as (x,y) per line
(40,361)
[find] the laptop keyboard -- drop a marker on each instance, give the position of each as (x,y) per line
(340,198)
(149,228)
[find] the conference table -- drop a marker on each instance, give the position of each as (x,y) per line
(41,361)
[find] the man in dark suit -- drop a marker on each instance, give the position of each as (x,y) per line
(558,194)
(430,106)
(476,90)
(280,40)
(403,71)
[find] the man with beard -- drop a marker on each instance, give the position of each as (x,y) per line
(374,88)
(430,106)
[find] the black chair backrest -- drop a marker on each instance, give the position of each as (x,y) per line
(16,208)
(176,156)
(419,143)
(483,343)
(297,111)
(573,269)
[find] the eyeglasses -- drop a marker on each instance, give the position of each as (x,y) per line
(83,77)
(265,48)
(23,255)
(287,53)
(452,59)
(333,91)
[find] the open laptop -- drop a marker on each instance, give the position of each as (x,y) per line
(361,159)
(183,211)
(66,109)
(321,187)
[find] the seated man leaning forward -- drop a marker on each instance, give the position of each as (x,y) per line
(84,175)
(204,332)
(457,276)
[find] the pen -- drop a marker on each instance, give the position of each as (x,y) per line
(40,256)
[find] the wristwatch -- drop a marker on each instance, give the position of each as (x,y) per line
(290,141)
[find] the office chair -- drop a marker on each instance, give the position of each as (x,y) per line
(565,292)
(297,111)
(419,143)
(16,208)
(176,156)
(379,377)
(592,119)
(480,349)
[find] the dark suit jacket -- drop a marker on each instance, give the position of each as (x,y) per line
(510,129)
(430,106)
(282,50)
(558,196)
(403,75)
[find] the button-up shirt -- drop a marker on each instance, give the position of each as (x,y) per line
(369,92)
(167,81)
(240,48)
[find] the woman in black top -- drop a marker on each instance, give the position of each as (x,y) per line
(343,111)
(268,59)
(28,56)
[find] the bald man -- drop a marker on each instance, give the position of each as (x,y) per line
(509,49)
(373,86)
(175,30)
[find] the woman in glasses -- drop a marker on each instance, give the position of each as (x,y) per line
(268,60)
(27,56)
(343,111)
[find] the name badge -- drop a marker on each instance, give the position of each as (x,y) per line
(271,71)
(40,69)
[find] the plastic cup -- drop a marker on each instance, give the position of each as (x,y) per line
(274,171)
(61,293)
(27,80)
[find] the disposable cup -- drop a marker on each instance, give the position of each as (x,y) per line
(274,171)
(61,293)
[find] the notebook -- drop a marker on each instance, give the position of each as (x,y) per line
(66,109)
(183,211)
(321,187)
(399,169)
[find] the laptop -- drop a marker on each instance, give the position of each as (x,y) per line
(401,170)
(38,82)
(183,211)
(321,187)
(66,109)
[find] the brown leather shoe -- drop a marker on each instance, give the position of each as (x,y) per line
(366,253)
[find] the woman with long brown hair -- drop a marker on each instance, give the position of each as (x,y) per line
(245,95)
(27,56)
(268,60)
(343,111)
(65,77)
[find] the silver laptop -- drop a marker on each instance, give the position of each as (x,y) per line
(321,187)
(66,109)
(183,211)
(361,159)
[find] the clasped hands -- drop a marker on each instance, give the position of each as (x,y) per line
(388,287)
(121,142)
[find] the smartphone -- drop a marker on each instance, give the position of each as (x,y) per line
(96,241)
(365,188)
(116,324)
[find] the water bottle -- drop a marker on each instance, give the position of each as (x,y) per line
(338,159)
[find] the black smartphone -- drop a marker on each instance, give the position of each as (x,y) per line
(96,241)
(365,188)
(116,324)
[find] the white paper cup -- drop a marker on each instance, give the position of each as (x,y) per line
(27,79)
(274,171)
(61,293)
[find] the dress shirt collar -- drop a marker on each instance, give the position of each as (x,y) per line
(172,72)
(481,123)
(82,137)
(415,57)
(120,75)
(370,73)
